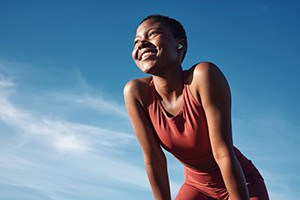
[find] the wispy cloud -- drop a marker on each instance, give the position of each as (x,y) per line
(41,150)
(4,83)
(61,133)
(97,103)
(64,136)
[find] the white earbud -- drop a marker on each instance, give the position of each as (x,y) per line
(180,46)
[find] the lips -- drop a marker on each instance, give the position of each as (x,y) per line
(147,53)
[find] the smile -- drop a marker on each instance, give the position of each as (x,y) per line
(147,55)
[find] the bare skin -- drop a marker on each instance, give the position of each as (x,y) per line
(156,52)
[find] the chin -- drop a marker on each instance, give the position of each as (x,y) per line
(147,67)
(147,70)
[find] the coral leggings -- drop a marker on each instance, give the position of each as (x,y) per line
(210,185)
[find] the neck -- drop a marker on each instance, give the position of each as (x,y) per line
(169,86)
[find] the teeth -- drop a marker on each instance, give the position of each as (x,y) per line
(147,54)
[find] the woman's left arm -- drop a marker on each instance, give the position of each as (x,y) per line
(215,97)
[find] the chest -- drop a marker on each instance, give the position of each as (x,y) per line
(186,132)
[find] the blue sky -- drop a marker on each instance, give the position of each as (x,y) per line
(64,131)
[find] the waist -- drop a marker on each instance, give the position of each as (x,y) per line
(203,163)
(203,167)
(208,163)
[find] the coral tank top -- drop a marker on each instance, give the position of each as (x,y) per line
(184,135)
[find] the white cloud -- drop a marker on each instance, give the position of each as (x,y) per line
(99,104)
(56,157)
(65,136)
(70,143)
(4,83)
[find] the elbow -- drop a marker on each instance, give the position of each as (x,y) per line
(222,155)
(155,160)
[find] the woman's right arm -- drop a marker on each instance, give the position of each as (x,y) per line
(154,158)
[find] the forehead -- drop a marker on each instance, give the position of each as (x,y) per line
(149,24)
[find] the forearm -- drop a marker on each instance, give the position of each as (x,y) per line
(233,178)
(159,181)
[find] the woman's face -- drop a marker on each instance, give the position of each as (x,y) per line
(155,47)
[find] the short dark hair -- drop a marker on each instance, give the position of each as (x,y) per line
(176,27)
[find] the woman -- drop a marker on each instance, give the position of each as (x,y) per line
(189,114)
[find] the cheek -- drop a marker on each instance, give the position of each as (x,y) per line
(169,54)
(134,54)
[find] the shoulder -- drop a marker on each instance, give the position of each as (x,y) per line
(204,70)
(205,73)
(137,89)
(206,78)
(137,86)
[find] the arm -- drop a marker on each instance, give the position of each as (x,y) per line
(154,158)
(216,101)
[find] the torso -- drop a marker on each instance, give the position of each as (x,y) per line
(185,134)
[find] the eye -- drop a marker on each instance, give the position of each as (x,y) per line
(135,42)
(152,33)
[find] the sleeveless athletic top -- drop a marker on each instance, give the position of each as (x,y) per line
(184,135)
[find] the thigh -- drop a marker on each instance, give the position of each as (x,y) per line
(257,188)
(255,183)
(188,192)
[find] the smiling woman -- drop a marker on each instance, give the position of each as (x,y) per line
(153,42)
(189,114)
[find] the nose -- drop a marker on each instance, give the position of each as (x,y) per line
(143,44)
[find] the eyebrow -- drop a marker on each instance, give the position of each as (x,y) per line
(148,30)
